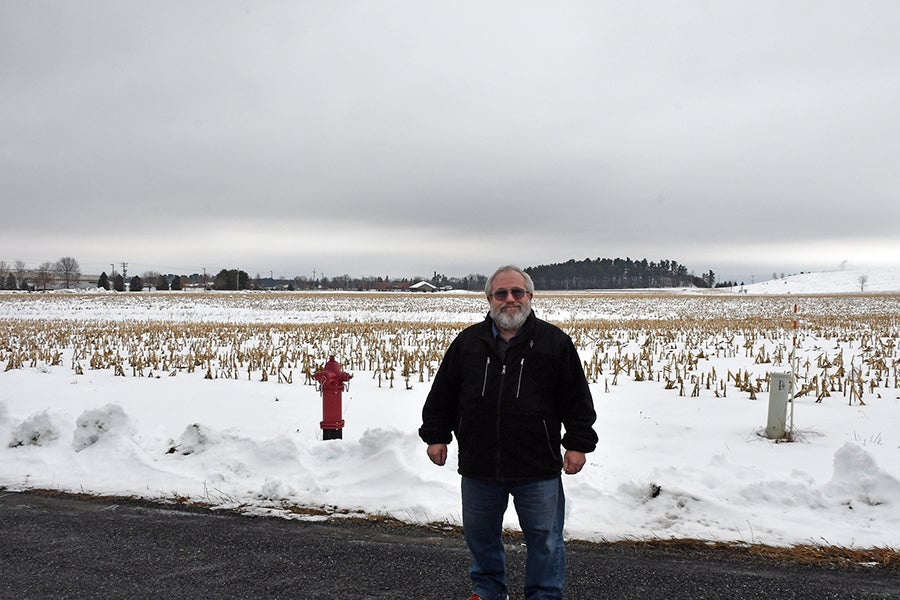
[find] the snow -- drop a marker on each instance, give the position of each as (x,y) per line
(667,466)
(875,280)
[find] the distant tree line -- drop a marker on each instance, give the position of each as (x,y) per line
(728,284)
(64,272)
(616,274)
(472,282)
(600,273)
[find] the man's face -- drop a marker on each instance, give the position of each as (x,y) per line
(508,312)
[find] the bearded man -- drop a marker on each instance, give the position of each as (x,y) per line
(505,388)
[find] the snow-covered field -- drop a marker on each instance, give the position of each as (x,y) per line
(203,397)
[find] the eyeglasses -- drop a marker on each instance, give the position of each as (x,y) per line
(517,293)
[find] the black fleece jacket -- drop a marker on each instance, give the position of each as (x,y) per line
(507,413)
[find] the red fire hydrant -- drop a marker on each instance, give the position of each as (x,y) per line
(332,382)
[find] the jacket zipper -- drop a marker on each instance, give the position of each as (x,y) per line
(499,402)
(487,365)
(519,383)
(500,395)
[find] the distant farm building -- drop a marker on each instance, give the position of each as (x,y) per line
(422,286)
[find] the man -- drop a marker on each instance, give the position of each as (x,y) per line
(504,388)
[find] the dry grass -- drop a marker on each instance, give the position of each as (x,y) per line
(818,556)
(844,346)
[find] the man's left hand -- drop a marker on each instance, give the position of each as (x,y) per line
(573,461)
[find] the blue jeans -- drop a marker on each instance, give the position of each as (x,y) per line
(541,507)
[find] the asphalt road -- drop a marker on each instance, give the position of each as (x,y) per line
(65,547)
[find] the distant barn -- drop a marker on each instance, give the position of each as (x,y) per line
(422,286)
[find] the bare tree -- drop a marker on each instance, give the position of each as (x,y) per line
(68,270)
(862,282)
(20,272)
(151,279)
(44,276)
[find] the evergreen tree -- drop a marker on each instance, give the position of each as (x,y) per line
(176,283)
(162,283)
(103,282)
(606,273)
(232,279)
(136,284)
(221,281)
(119,283)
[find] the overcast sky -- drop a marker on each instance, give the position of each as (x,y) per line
(405,137)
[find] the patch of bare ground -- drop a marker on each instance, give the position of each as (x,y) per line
(887,559)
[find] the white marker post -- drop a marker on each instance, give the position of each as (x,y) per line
(779,393)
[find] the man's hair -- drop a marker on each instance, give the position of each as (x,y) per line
(529,284)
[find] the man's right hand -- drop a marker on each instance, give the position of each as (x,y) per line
(438,454)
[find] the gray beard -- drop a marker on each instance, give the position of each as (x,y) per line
(510,321)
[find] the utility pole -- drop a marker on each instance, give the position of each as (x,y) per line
(124,269)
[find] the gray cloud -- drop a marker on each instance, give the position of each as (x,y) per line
(407,137)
